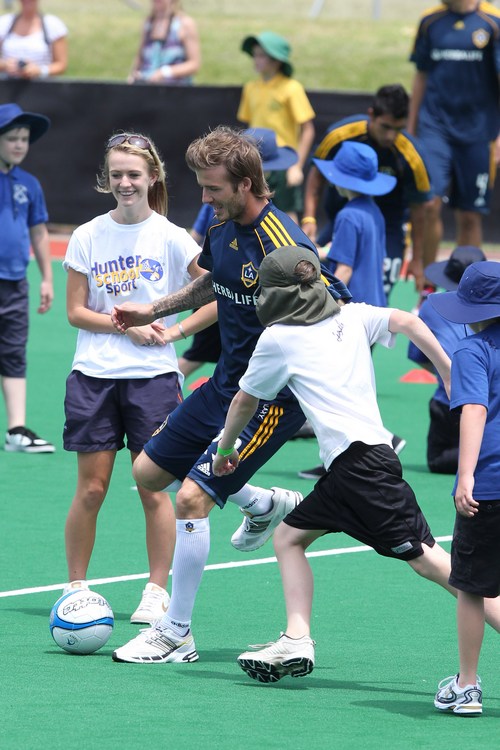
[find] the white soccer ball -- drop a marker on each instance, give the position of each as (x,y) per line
(81,621)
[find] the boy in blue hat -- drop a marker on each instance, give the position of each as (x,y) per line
(278,101)
(475,552)
(23,217)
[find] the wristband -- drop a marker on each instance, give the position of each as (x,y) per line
(182,331)
(166,71)
(224,453)
(308,220)
(44,71)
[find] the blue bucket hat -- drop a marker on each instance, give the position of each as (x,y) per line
(273,156)
(355,167)
(477,297)
(12,116)
(273,45)
(447,273)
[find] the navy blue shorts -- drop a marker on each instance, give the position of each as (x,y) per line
(364,495)
(475,551)
(461,171)
(186,443)
(100,412)
(206,345)
(14,321)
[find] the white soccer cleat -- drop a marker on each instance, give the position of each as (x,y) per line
(153,605)
(158,646)
(293,657)
(254,531)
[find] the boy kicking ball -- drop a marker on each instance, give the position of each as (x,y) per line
(324,356)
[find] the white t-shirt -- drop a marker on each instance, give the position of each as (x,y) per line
(329,368)
(128,263)
(33,47)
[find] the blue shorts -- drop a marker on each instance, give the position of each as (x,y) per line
(101,411)
(187,441)
(463,173)
(14,321)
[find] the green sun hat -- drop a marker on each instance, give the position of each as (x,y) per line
(273,45)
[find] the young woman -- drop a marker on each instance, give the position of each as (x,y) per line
(32,45)
(124,385)
(170,47)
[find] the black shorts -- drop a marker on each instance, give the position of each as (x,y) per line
(206,345)
(364,495)
(288,199)
(475,551)
(14,314)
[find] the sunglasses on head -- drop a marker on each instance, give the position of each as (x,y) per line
(134,140)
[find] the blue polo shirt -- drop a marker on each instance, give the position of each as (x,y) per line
(460,53)
(233,253)
(404,160)
(447,333)
(22,206)
(475,379)
(359,242)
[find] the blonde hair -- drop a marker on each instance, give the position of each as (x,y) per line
(157,194)
(233,150)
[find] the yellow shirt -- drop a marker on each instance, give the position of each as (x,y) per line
(280,104)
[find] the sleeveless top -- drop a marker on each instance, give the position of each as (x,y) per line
(167,51)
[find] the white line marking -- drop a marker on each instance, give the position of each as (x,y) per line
(215,566)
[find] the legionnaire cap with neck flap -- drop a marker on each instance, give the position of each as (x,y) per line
(283,299)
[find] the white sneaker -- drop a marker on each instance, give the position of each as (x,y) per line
(75,586)
(466,701)
(286,656)
(256,530)
(154,604)
(155,646)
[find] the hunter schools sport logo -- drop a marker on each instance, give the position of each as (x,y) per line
(151,270)
(249,274)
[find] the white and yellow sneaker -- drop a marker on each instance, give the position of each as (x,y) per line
(153,605)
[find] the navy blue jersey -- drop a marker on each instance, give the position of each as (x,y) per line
(233,253)
(460,53)
(404,160)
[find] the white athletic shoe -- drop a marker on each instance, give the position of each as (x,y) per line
(154,604)
(256,530)
(466,701)
(155,646)
(272,661)
(75,586)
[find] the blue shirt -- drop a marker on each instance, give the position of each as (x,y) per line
(447,333)
(359,242)
(22,206)
(404,160)
(475,379)
(460,53)
(233,253)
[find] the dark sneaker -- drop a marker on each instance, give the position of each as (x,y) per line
(398,443)
(22,440)
(316,473)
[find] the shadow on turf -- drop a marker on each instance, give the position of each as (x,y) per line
(415,710)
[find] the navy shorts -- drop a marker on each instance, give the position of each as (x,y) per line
(100,412)
(364,495)
(14,321)
(206,346)
(461,171)
(475,551)
(186,443)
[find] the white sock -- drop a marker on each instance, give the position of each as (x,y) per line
(190,556)
(253,500)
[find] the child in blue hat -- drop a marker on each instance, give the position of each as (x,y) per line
(475,551)
(23,218)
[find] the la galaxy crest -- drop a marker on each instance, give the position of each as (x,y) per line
(249,274)
(480,38)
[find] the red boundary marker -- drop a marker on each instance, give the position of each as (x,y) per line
(196,383)
(418,376)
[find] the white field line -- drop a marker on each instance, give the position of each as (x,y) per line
(216,566)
